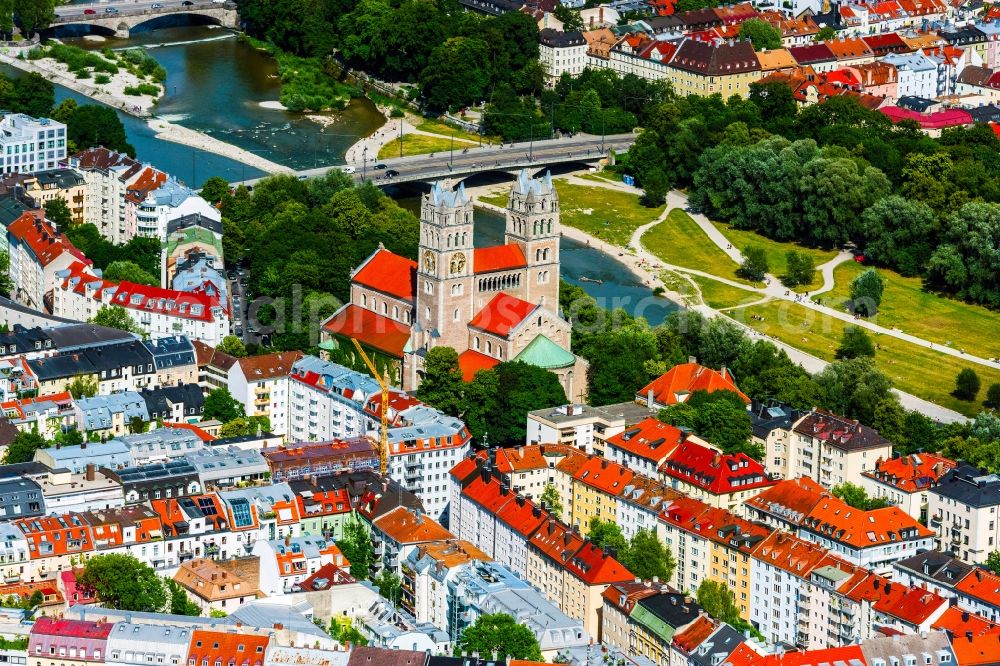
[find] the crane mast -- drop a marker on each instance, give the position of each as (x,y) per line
(383,382)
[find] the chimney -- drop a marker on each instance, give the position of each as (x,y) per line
(91,472)
(83,445)
(649,399)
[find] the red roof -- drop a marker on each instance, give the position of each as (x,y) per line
(743,655)
(389,273)
(694,634)
(981,584)
(594,566)
(171,302)
(676,384)
(958,622)
(936,120)
(604,475)
(502,315)
(912,473)
(148,180)
(796,495)
(203,435)
(381,333)
(809,657)
(837,521)
(230,649)
(72,628)
(498,258)
(977,650)
(471,362)
(715,472)
(45,242)
(651,439)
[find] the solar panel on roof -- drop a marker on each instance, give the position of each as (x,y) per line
(207,506)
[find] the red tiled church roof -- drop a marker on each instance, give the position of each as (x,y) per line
(389,273)
(471,362)
(498,258)
(502,315)
(381,333)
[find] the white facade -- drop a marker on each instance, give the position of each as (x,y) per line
(561,53)
(917,74)
(963,510)
(169,202)
(30,144)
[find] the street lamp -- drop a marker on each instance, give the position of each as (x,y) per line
(364,163)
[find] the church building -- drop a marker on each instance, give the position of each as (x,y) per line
(490,304)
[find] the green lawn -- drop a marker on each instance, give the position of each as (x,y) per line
(918,370)
(775,250)
(721,295)
(602,176)
(439,127)
(607,214)
(417,144)
(680,284)
(678,240)
(498,198)
(905,305)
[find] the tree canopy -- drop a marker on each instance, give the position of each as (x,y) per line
(221,405)
(501,636)
(115,316)
(856,496)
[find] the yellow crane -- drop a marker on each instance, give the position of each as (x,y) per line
(383,382)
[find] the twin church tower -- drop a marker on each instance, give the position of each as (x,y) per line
(491,304)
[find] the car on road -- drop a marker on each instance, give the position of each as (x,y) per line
(379,167)
(89,11)
(187,3)
(391,173)
(303,176)
(110,10)
(156,5)
(349,169)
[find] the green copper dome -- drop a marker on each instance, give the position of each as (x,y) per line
(544,353)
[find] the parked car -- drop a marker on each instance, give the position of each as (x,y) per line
(156,5)
(187,3)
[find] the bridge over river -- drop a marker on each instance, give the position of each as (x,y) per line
(119,17)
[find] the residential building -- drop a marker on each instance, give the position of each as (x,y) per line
(963,511)
(37,252)
(261,385)
(175,360)
(210,647)
(111,415)
(223,467)
(68,642)
(649,616)
(286,564)
(192,239)
(65,184)
(30,144)
(917,74)
(180,404)
(561,53)
(162,200)
(66,492)
(905,481)
(721,480)
(582,426)
(397,533)
(316,459)
(140,643)
(107,176)
(832,449)
(909,648)
(14,553)
(213,366)
(112,454)
(645,446)
(933,570)
(161,445)
(153,480)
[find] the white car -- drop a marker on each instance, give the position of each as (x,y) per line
(349,169)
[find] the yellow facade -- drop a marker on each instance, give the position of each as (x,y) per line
(690,83)
(731,566)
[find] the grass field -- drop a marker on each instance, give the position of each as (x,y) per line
(918,370)
(602,176)
(609,215)
(681,284)
(416,144)
(776,251)
(680,241)
(720,295)
(905,305)
(438,127)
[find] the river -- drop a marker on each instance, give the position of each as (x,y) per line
(215,83)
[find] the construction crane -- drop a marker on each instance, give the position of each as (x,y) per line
(383,436)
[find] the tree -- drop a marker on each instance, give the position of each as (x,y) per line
(717,600)
(993,396)
(825,33)
(853,388)
(498,400)
(389,585)
(34,15)
(222,406)
(457,73)
(856,496)
(647,557)
(6,283)
(84,386)
(115,316)
(64,109)
(356,545)
(95,125)
(129,271)
(606,534)
(854,343)
(58,212)
(754,266)
(900,233)
(216,188)
(619,358)
(655,185)
(179,602)
(33,94)
(761,34)
(442,386)
(23,448)
(233,346)
(966,263)
(6,19)
(499,635)
(866,293)
(123,582)
(801,269)
(966,384)
(552,499)
(993,561)
(137,425)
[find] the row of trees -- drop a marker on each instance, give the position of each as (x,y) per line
(830,174)
(30,15)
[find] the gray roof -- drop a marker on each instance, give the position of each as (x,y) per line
(159,400)
(967,484)
(265,615)
(720,643)
(146,643)
(933,643)
(942,568)
(448,198)
(220,461)
(194,220)
(99,411)
(74,458)
(171,351)
(171,442)
(78,336)
(172,193)
(525,184)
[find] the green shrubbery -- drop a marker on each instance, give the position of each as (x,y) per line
(142,64)
(78,60)
(308,84)
(143,89)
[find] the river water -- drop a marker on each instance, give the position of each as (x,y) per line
(215,83)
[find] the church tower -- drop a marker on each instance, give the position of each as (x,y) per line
(444,271)
(533,224)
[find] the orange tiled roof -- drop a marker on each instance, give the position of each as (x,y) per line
(846,655)
(604,475)
(209,647)
(502,314)
(981,584)
(977,650)
(381,333)
(389,273)
(651,439)
(913,473)
(836,520)
(786,551)
(268,366)
(959,622)
(470,362)
(595,566)
(498,258)
(797,496)
(694,634)
(404,526)
(679,382)
(45,242)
